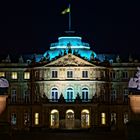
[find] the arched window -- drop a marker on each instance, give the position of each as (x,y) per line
(70,93)
(54,122)
(54,94)
(85,122)
(70,118)
(85,94)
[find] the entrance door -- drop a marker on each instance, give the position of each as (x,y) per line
(69,119)
(85,123)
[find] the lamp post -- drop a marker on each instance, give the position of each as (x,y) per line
(4,126)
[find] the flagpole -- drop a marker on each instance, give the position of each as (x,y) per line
(70,18)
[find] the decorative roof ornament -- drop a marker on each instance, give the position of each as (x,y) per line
(130,58)
(8,59)
(20,60)
(118,60)
(69,47)
(92,57)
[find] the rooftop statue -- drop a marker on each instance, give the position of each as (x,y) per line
(134,82)
(3,83)
(3,93)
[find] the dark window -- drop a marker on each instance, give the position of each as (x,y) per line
(125,74)
(85,74)
(54,74)
(69,74)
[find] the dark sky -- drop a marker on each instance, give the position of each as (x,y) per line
(109,26)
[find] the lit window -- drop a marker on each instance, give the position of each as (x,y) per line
(103,118)
(54,74)
(36,118)
(13,119)
(113,118)
(70,119)
(54,118)
(2,74)
(85,74)
(69,74)
(26,75)
(125,117)
(124,74)
(14,75)
(85,118)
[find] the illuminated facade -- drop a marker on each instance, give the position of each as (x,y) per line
(69,86)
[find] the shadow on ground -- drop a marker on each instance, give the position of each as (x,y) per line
(65,136)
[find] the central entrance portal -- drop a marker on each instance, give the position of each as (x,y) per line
(69,119)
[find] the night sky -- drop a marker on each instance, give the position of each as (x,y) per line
(109,26)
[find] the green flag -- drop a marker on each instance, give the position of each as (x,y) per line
(67,10)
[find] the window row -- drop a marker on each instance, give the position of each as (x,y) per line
(69,120)
(15,75)
(113,118)
(69,96)
(123,75)
(26,96)
(113,95)
(70,74)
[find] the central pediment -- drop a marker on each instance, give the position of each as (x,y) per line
(69,60)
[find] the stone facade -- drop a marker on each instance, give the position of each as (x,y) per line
(68,92)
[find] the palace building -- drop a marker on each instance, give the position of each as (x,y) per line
(69,87)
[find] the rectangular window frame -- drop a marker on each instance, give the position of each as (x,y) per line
(84,74)
(69,74)
(125,95)
(36,121)
(103,118)
(13,95)
(14,75)
(125,117)
(113,117)
(125,75)
(54,74)
(26,75)
(13,118)
(2,74)
(113,75)
(113,95)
